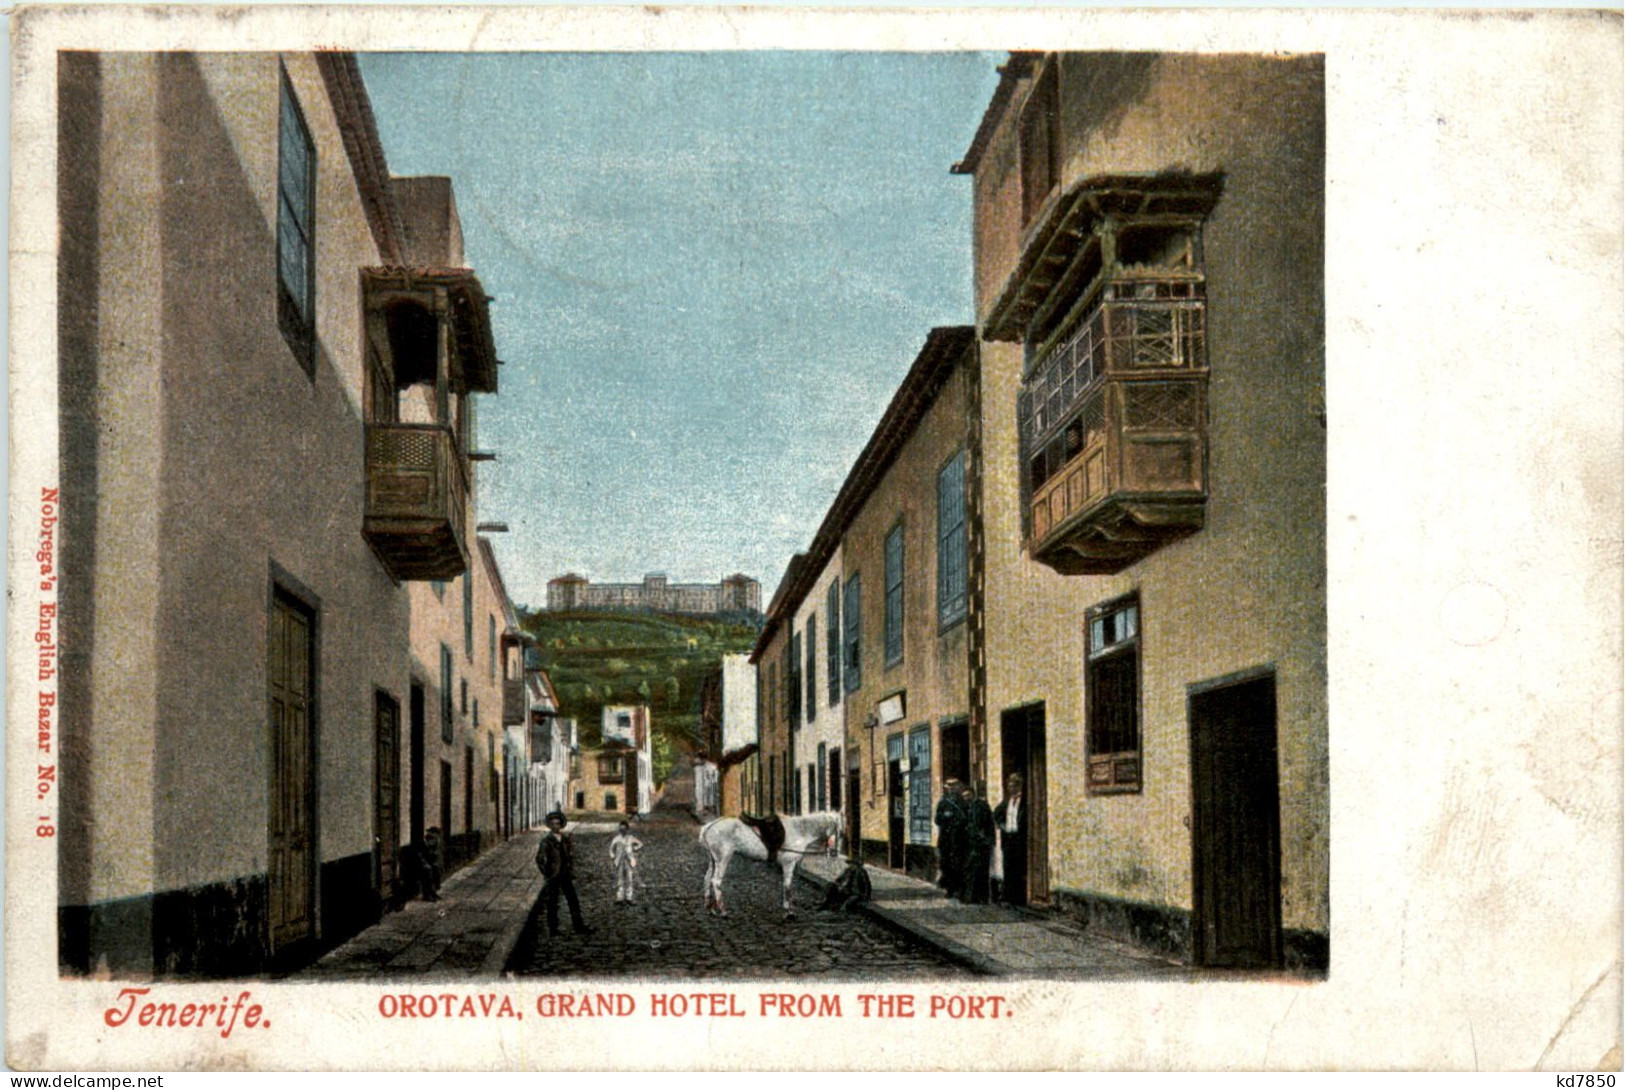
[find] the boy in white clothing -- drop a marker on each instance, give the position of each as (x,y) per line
(623,854)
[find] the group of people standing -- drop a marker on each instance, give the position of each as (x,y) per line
(982,851)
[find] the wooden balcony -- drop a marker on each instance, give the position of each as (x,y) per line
(417,501)
(1113,426)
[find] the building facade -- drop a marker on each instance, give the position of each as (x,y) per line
(904,591)
(776,718)
(735,594)
(251,539)
(817,746)
(1150,448)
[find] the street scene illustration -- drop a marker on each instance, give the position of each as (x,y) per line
(762,515)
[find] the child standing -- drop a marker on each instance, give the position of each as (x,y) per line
(623,854)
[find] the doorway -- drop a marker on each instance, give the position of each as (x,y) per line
(1023,752)
(896,814)
(1235,824)
(415,784)
(291,872)
(386,817)
(955,752)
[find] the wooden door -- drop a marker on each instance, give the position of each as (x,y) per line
(1024,752)
(1038,808)
(1235,825)
(291,873)
(386,817)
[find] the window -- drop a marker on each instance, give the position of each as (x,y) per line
(772,690)
(812,667)
(1040,143)
(296,231)
(1113,692)
(610,770)
(468,616)
(491,642)
(609,800)
(852,645)
(835,779)
(772,783)
(823,766)
(894,595)
(476,709)
(792,680)
(832,639)
(447,709)
(951,541)
(462,699)
(796,788)
(919,785)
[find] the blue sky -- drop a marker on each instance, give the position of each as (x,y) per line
(711,271)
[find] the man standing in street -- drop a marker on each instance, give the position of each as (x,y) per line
(555,858)
(950,819)
(979,840)
(1011,819)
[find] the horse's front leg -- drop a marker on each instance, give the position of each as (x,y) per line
(789,876)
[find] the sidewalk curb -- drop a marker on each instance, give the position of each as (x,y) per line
(973,960)
(497,958)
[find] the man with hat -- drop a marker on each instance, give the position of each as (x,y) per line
(555,858)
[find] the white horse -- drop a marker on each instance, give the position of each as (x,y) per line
(723,838)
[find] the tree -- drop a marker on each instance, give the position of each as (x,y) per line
(674,692)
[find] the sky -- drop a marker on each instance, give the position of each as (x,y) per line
(710,273)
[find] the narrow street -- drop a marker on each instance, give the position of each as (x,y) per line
(667,934)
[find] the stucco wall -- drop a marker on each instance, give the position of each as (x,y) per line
(1246,591)
(934,664)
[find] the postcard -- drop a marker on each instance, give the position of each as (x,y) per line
(814,539)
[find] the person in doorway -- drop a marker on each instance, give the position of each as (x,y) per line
(623,856)
(555,858)
(951,821)
(1010,818)
(980,837)
(429,864)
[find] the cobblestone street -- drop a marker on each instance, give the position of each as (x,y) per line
(667,934)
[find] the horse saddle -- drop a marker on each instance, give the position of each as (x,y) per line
(771,831)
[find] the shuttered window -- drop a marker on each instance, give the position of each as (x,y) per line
(832,639)
(951,541)
(296,230)
(852,644)
(894,595)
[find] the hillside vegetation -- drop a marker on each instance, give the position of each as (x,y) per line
(600,657)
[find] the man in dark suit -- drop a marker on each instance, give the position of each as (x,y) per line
(1011,818)
(951,820)
(979,841)
(555,858)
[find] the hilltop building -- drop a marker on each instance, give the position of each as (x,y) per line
(737,593)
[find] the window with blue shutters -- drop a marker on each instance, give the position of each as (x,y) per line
(894,595)
(811,680)
(951,541)
(919,785)
(296,231)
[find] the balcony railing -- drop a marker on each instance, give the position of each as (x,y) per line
(417,501)
(1113,426)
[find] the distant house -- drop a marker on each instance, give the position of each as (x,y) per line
(729,736)
(617,777)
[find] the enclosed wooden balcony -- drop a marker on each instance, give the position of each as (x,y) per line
(417,500)
(1113,427)
(513,702)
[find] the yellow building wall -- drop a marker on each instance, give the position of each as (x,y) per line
(933,670)
(1246,591)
